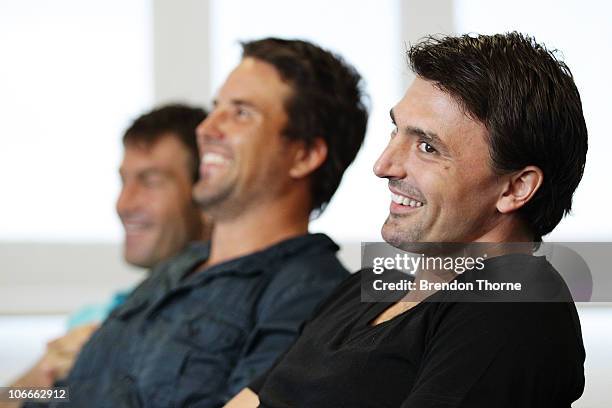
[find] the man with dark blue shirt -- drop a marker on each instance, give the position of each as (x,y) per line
(286,124)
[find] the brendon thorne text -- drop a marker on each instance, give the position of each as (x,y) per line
(481,284)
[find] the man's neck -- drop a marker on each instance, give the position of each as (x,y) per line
(257,229)
(509,229)
(509,237)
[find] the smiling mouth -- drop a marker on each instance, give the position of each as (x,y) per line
(405,201)
(213,159)
(213,163)
(132,226)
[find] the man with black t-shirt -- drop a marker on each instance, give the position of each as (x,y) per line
(489,145)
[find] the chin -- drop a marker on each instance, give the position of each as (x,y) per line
(140,263)
(392,236)
(398,235)
(141,259)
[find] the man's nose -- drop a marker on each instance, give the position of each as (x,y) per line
(211,127)
(392,162)
(128,199)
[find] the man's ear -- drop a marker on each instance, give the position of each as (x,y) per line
(520,188)
(308,159)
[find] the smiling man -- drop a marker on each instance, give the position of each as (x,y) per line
(442,189)
(155,206)
(286,124)
(159,217)
(161,221)
(158,171)
(489,146)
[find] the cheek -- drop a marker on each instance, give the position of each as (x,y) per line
(269,161)
(181,212)
(439,186)
(450,195)
(165,207)
(471,192)
(248,155)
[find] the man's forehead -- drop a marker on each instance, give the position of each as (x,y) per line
(426,103)
(431,110)
(255,82)
(156,143)
(163,153)
(424,97)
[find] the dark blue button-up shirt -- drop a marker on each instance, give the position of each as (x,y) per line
(196,339)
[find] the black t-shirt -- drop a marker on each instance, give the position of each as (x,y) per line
(437,354)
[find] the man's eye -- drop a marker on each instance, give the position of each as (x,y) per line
(243,113)
(427,148)
(153,181)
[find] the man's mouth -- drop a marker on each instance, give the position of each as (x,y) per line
(215,159)
(212,162)
(135,225)
(405,201)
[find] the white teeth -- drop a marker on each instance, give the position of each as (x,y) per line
(213,158)
(134,227)
(398,199)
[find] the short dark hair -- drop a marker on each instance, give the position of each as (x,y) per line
(176,119)
(327,102)
(529,103)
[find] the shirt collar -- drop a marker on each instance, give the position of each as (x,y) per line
(255,262)
(173,270)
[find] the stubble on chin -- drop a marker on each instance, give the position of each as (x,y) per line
(222,205)
(398,233)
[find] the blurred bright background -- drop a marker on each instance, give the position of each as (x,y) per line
(75,73)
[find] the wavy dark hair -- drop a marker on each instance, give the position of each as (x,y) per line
(178,120)
(529,103)
(327,102)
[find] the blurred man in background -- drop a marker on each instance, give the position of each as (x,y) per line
(160,219)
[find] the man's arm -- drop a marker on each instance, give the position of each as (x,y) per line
(67,348)
(59,357)
(57,361)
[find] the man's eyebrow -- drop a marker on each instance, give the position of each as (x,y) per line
(242,102)
(427,136)
(423,134)
(236,102)
(146,172)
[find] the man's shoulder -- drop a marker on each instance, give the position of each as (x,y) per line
(529,325)
(310,258)
(307,273)
(539,310)
(519,278)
